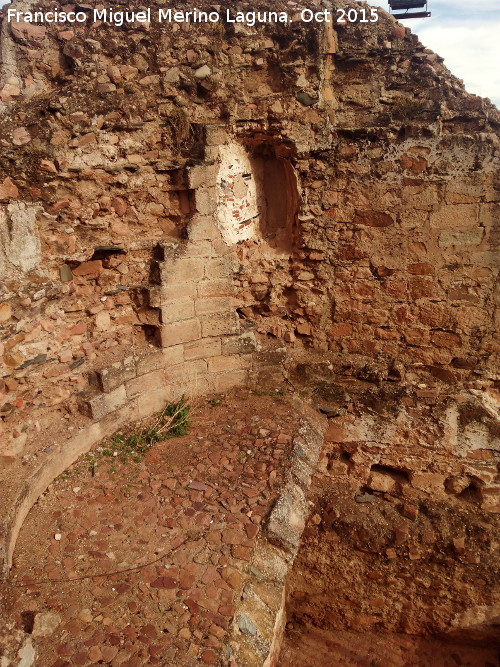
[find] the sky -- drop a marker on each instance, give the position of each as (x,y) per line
(466,33)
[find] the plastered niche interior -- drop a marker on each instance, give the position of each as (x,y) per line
(257,198)
(239,194)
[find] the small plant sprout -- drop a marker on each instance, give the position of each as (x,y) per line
(172,422)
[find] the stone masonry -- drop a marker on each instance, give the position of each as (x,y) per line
(186,209)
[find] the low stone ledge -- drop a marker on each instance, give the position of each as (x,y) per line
(260,618)
(153,381)
(102,404)
(287,521)
(244,343)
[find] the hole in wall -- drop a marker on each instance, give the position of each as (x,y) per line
(151,334)
(472,493)
(104,252)
(28,621)
(282,200)
(396,474)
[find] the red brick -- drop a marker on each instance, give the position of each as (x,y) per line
(217,631)
(232,537)
(424,288)
(226,610)
(340,330)
(251,530)
(209,604)
(232,576)
(243,553)
(304,329)
(187,581)
(421,269)
(80,659)
(78,329)
(209,657)
(414,164)
(192,605)
(409,511)
(446,339)
(165,582)
(54,370)
(210,575)
(480,454)
(119,205)
(387,334)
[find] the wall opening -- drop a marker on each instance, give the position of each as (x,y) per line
(257,196)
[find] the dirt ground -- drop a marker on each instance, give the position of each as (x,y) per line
(141,560)
(324,648)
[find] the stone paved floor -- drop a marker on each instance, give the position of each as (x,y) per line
(181,526)
(312,647)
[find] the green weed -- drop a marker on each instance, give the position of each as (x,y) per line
(127,446)
(273,393)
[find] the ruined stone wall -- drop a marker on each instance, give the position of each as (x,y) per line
(401,538)
(173,199)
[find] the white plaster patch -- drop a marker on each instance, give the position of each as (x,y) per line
(19,242)
(26,654)
(99,157)
(476,436)
(239,205)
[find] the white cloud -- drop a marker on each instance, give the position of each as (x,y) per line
(471,54)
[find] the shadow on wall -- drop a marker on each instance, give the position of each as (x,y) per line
(282,202)
(257,196)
